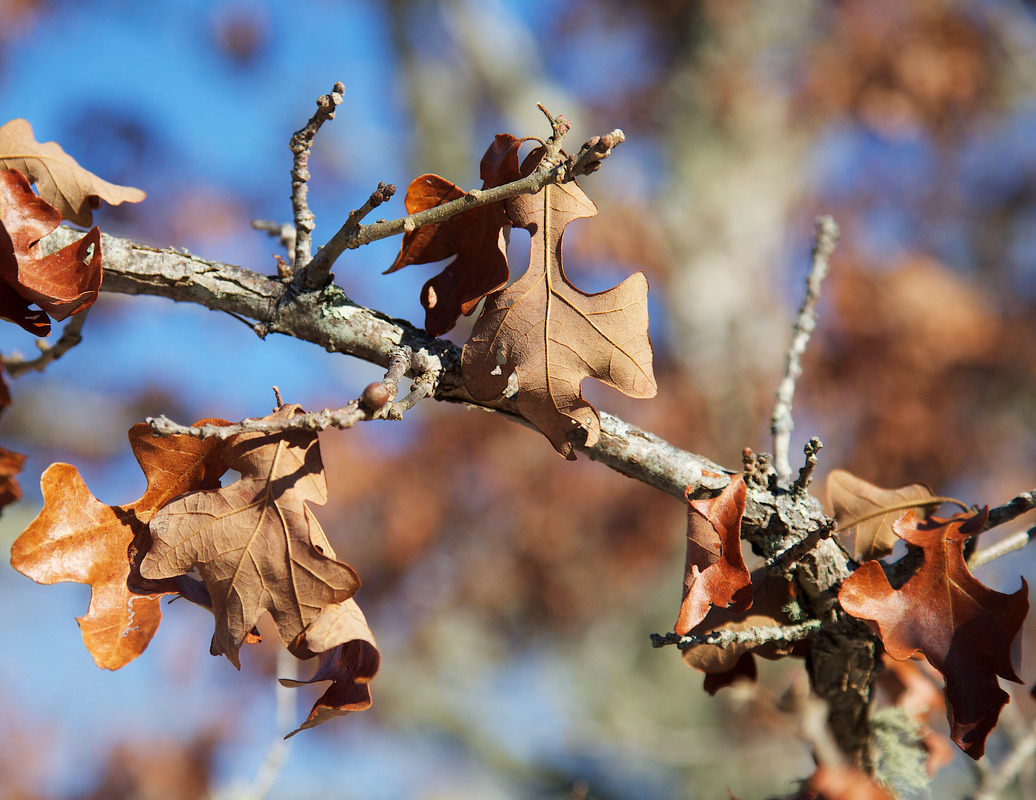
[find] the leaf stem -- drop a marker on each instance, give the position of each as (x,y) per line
(905,506)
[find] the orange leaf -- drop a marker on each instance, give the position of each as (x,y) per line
(61,182)
(62,283)
(547,335)
(853,498)
(348,657)
(966,631)
(256,543)
(77,538)
(715,574)
(475,237)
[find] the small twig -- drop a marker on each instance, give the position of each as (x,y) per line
(71,335)
(554,168)
(995,781)
(751,636)
(813,446)
(781,422)
(318,272)
(283,232)
(781,562)
(301,142)
(1002,548)
(344,417)
(1015,507)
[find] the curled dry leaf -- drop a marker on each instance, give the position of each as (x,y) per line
(966,630)
(476,238)
(347,656)
(60,284)
(715,573)
(77,538)
(853,498)
(547,335)
(60,181)
(771,598)
(256,543)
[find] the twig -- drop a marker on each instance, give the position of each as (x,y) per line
(1015,507)
(813,446)
(554,168)
(781,422)
(1001,548)
(71,335)
(995,781)
(283,232)
(751,636)
(300,145)
(318,272)
(780,563)
(344,417)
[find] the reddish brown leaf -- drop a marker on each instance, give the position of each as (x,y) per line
(966,631)
(77,538)
(845,783)
(547,335)
(853,498)
(10,465)
(62,283)
(475,237)
(256,543)
(723,665)
(715,574)
(72,190)
(348,656)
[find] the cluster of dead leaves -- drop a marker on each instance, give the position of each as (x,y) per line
(255,543)
(537,338)
(35,288)
(967,632)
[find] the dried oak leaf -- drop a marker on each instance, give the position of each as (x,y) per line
(77,538)
(60,181)
(715,574)
(256,543)
(60,284)
(771,598)
(348,657)
(475,237)
(547,335)
(967,631)
(853,498)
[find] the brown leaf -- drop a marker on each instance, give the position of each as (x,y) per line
(10,462)
(348,656)
(77,538)
(60,181)
(549,335)
(475,237)
(256,543)
(845,783)
(715,574)
(62,283)
(853,498)
(722,665)
(966,631)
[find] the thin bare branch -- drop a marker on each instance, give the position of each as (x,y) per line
(812,448)
(283,232)
(1002,548)
(1015,507)
(301,143)
(750,636)
(995,781)
(781,423)
(71,335)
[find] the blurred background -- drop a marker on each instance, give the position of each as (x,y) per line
(512,593)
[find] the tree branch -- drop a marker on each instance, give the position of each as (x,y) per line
(781,423)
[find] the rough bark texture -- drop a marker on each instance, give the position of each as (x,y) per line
(843,660)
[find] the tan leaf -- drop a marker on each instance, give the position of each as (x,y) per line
(853,498)
(78,538)
(549,335)
(72,190)
(348,657)
(256,543)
